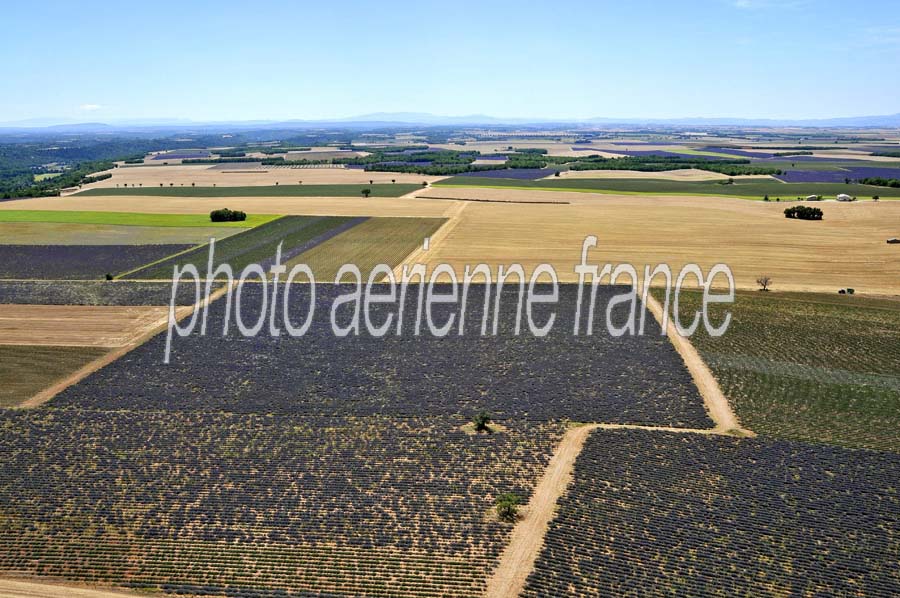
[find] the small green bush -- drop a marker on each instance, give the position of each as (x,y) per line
(481,421)
(508,507)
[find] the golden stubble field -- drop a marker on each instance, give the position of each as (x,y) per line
(77,325)
(846,249)
(204,175)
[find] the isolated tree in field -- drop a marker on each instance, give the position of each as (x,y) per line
(764,282)
(481,421)
(508,507)
(366,193)
(424,183)
(171,184)
(766,198)
(160,184)
(193,184)
(371,182)
(393,180)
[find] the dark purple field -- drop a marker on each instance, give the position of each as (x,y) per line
(837,176)
(405,163)
(77,262)
(523,174)
(739,153)
(665,154)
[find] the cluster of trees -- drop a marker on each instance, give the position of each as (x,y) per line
(887,154)
(803,213)
(81,174)
(736,167)
(797,153)
(226,215)
(880,182)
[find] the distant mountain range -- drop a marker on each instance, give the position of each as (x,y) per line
(425,119)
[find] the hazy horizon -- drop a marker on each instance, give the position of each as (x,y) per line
(216,62)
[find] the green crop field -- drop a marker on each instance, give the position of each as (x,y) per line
(376,241)
(128,218)
(26,370)
(46,175)
(745,188)
(380,190)
(253,246)
(810,367)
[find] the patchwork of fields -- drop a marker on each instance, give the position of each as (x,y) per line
(324,466)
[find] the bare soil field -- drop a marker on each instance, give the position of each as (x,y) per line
(55,233)
(313,206)
(205,176)
(76,325)
(845,155)
(846,249)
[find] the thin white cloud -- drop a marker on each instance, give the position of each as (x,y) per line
(90,107)
(764,4)
(882,36)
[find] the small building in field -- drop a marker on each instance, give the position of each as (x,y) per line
(844,197)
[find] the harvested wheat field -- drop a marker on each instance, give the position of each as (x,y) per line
(846,249)
(240,175)
(78,325)
(313,206)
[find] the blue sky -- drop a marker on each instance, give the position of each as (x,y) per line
(101,61)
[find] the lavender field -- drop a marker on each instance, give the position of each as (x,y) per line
(837,176)
(523,174)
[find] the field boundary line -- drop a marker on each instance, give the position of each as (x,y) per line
(453,219)
(20,588)
(106,359)
(539,203)
(714,399)
(527,539)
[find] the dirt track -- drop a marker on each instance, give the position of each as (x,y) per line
(527,538)
(27,589)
